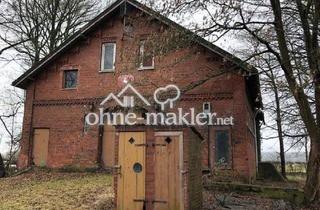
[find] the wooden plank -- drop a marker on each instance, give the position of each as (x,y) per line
(120,181)
(181,172)
(131,185)
(161,175)
(175,173)
(40,147)
(109,136)
(167,174)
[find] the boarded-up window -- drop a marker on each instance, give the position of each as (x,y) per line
(222,146)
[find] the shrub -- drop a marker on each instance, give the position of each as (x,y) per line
(2,168)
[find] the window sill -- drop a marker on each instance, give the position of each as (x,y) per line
(146,68)
(107,71)
(69,88)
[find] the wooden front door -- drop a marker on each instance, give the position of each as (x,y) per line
(168,171)
(40,146)
(131,178)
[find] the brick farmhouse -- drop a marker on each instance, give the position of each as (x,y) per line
(129,40)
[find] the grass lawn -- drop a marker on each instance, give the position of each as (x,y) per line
(54,190)
(42,189)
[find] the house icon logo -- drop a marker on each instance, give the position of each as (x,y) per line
(163,96)
(127,101)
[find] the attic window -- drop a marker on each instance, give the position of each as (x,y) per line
(70,78)
(146,56)
(108,57)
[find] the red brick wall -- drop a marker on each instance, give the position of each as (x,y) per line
(68,145)
(25,152)
(193,182)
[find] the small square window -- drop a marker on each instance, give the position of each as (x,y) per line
(108,57)
(70,79)
(146,57)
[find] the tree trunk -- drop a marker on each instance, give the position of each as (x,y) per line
(313,169)
(258,133)
(2,169)
(313,177)
(312,125)
(282,153)
(280,133)
(279,127)
(306,149)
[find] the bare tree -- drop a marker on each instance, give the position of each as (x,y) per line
(288,31)
(272,82)
(281,109)
(10,121)
(35,28)
(2,22)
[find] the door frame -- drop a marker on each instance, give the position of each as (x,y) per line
(181,162)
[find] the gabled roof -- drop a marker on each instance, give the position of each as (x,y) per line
(29,74)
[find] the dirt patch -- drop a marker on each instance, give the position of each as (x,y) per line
(234,201)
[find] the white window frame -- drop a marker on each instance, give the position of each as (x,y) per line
(141,56)
(103,57)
